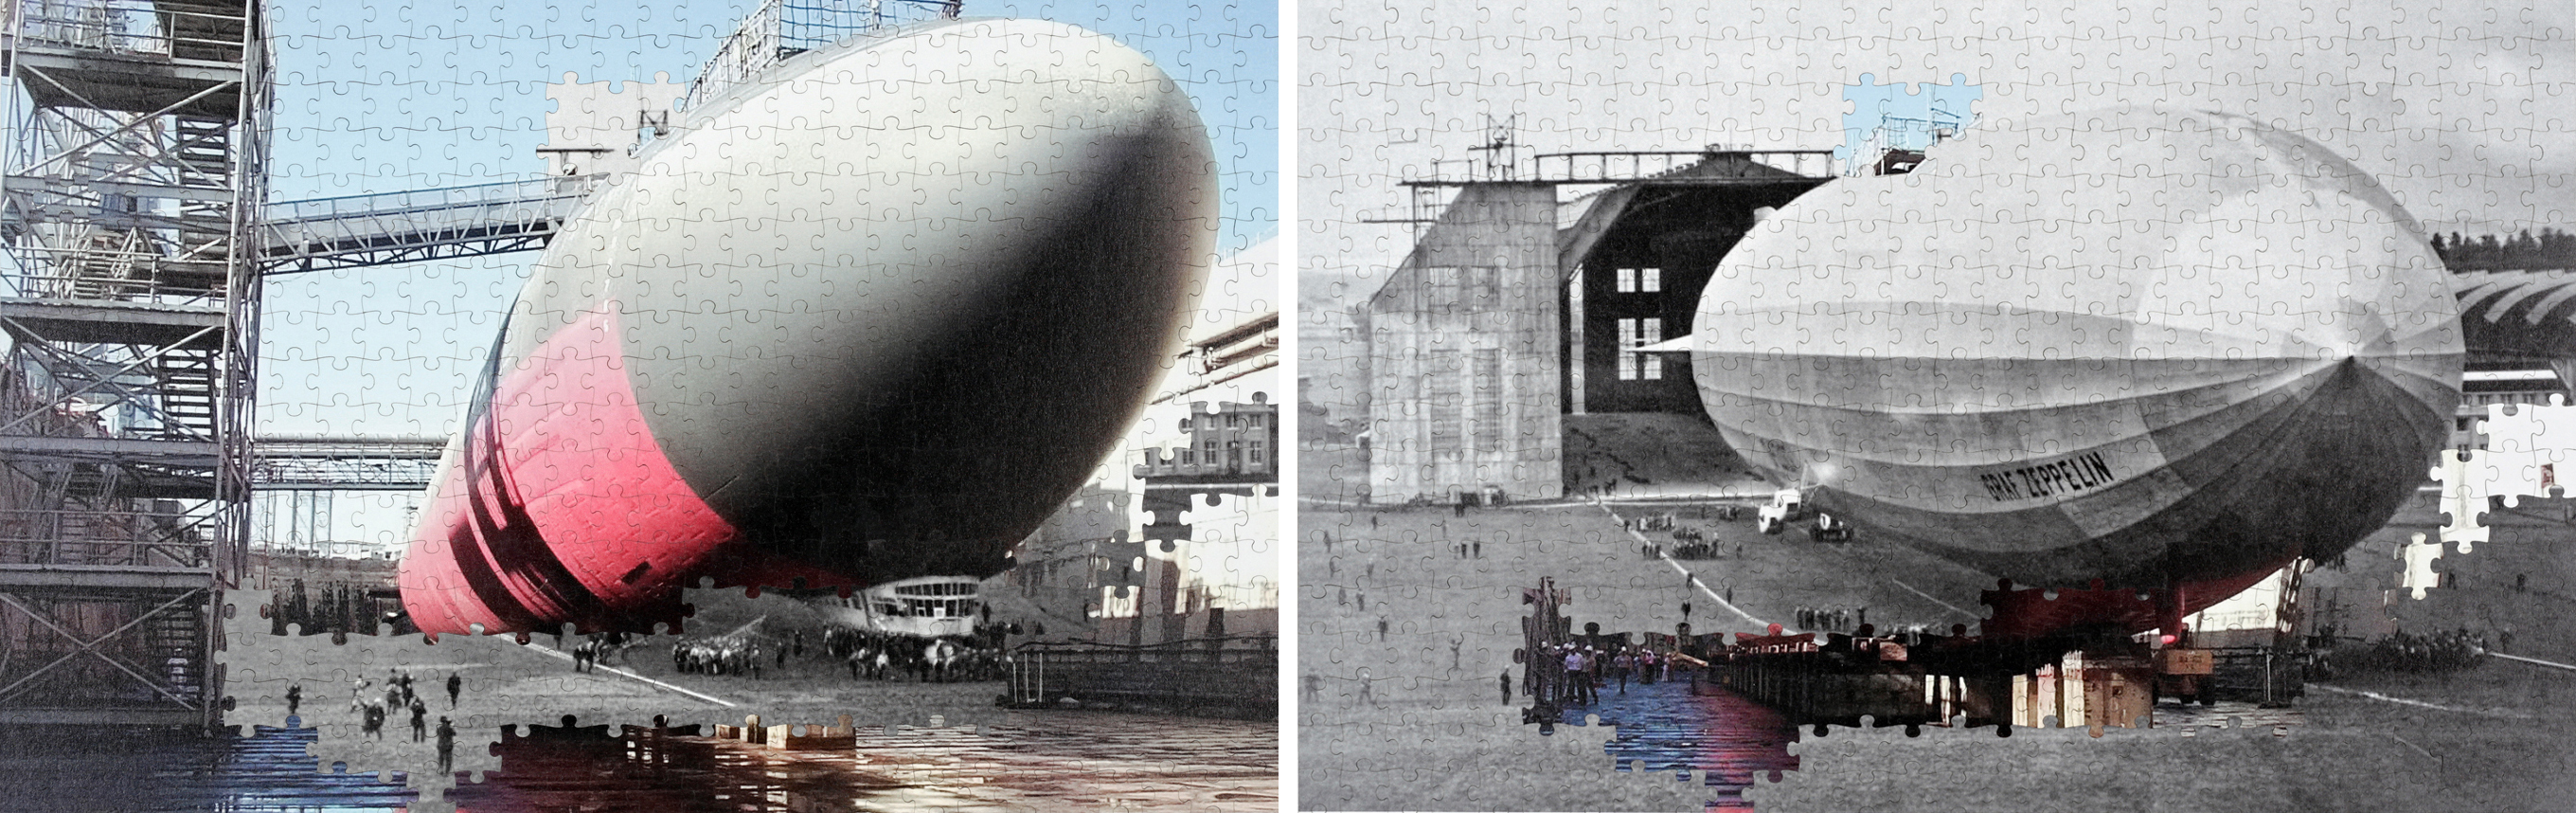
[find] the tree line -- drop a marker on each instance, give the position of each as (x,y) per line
(2521,252)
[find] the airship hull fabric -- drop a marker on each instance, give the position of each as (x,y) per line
(2145,346)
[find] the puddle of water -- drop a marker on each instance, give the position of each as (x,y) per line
(1073,761)
(1664,727)
(150,772)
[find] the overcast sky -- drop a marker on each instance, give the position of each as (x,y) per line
(2456,107)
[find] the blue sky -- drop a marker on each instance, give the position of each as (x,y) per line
(384,98)
(1907,113)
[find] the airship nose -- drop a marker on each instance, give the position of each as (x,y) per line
(870,316)
(936,323)
(2414,356)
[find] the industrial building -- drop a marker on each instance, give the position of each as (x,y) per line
(1517,308)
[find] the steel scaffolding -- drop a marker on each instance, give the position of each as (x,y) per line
(134,182)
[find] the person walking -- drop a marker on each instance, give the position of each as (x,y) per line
(419,720)
(454,685)
(1570,690)
(1507,685)
(294,698)
(446,746)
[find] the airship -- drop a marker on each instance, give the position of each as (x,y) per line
(2157,352)
(870,316)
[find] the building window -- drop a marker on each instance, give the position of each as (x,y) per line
(1488,416)
(1252,451)
(1462,289)
(1636,333)
(1442,385)
(1626,339)
(1627,280)
(1650,280)
(1650,365)
(1627,357)
(1189,456)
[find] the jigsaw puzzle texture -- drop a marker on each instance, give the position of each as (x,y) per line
(1904,406)
(777,405)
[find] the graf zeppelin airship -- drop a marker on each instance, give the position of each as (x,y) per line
(2158,349)
(871,316)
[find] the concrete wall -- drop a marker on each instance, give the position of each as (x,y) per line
(1464,354)
(1332,374)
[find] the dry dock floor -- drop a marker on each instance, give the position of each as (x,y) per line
(944,745)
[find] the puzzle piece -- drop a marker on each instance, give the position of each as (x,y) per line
(654,361)
(1664,261)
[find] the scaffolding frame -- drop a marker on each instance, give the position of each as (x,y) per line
(135,180)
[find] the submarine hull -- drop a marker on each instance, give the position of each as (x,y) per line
(869,318)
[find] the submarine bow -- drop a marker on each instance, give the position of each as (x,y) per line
(870,317)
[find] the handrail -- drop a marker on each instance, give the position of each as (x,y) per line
(444,197)
(779,29)
(1603,165)
(1270,641)
(121,27)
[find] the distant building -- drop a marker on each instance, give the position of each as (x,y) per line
(1464,351)
(1332,373)
(1121,564)
(1059,570)
(1235,443)
(1516,309)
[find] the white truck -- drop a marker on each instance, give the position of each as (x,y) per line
(1790,505)
(1787,505)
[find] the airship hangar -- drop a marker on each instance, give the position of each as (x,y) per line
(1516,310)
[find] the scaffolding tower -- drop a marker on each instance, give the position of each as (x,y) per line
(129,296)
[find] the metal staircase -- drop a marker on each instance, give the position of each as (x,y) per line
(135,174)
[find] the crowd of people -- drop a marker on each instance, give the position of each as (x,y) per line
(878,656)
(1832,619)
(726,655)
(399,698)
(1588,670)
(867,655)
(596,647)
(2404,652)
